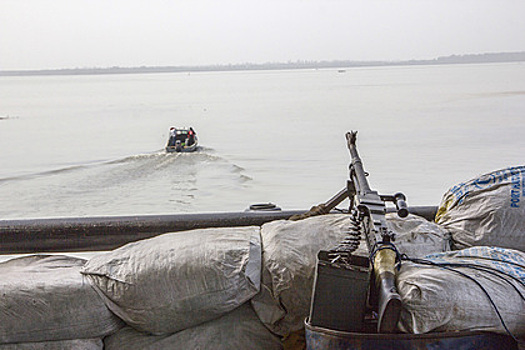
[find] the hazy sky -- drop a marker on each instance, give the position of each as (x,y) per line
(43,34)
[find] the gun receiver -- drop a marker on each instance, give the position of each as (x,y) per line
(371,210)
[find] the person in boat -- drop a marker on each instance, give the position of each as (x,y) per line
(191,136)
(171,141)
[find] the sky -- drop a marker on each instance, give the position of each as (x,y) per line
(54,34)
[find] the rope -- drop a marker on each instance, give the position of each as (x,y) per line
(314,211)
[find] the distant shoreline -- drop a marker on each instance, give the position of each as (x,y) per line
(453,59)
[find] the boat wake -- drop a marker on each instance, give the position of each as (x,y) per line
(150,183)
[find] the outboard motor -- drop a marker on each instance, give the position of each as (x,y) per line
(178,146)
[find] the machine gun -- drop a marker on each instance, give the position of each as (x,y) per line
(374,273)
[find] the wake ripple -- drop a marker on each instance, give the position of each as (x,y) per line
(143,183)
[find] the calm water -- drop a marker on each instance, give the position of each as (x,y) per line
(93,145)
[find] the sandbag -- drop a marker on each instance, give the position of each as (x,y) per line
(178,280)
(238,329)
(436,299)
(290,255)
(487,211)
(76,344)
(44,298)
(416,237)
(289,258)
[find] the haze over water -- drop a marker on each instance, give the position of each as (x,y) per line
(93,145)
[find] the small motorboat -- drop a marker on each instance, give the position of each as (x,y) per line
(182,140)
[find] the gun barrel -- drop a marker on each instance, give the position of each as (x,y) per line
(357,164)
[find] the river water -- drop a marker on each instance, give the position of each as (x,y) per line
(94,145)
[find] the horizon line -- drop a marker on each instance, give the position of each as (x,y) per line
(491,57)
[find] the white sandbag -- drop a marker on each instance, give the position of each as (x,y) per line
(178,280)
(436,299)
(289,258)
(239,329)
(487,211)
(76,344)
(44,297)
(415,236)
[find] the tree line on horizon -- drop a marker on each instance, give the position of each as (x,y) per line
(301,64)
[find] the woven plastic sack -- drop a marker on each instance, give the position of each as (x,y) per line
(178,280)
(438,299)
(80,344)
(487,211)
(238,329)
(415,236)
(45,298)
(289,258)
